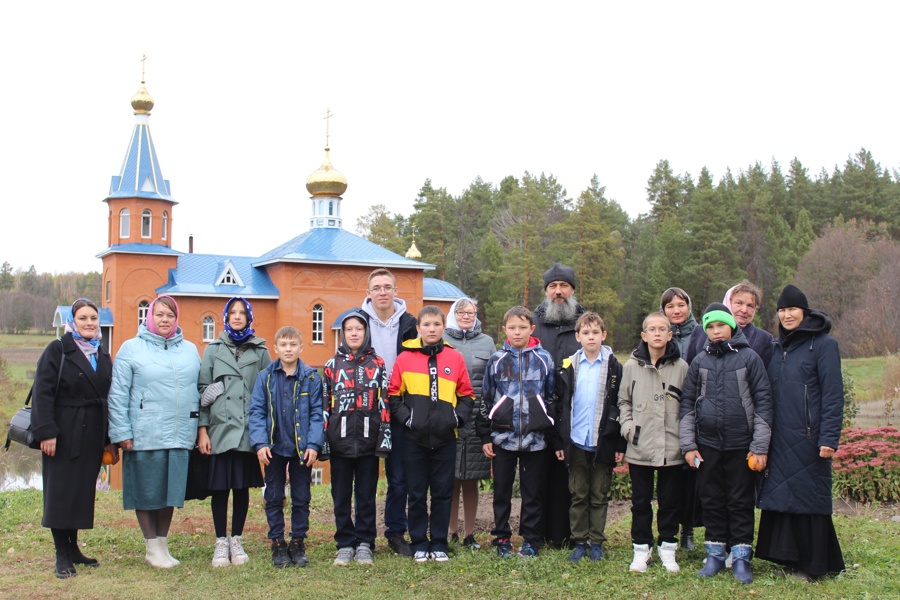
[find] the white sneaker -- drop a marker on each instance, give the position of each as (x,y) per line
(236,548)
(440,557)
(420,556)
(220,556)
(642,555)
(667,556)
(344,556)
(364,555)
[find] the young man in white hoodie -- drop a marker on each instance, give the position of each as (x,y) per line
(389,326)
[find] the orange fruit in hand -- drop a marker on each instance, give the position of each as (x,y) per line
(108,457)
(751,462)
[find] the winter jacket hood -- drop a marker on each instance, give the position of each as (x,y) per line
(814,323)
(359,314)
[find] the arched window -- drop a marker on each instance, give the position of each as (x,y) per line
(107,289)
(146,219)
(321,208)
(124,223)
(165,225)
(331,208)
(209,329)
(318,324)
(143,309)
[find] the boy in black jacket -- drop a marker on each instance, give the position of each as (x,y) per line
(587,392)
(357,433)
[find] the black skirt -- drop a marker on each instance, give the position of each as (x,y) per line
(234,470)
(805,542)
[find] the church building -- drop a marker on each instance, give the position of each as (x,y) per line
(307,281)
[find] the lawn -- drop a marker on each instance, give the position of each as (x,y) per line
(871,546)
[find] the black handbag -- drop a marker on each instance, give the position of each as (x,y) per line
(20,424)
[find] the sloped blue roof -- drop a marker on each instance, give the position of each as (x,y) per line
(336,246)
(140,176)
(64,313)
(436,289)
(196,275)
(138,248)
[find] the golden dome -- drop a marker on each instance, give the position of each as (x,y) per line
(142,102)
(413,252)
(326,180)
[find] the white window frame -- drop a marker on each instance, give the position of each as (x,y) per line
(209,329)
(165,225)
(229,275)
(318,324)
(124,223)
(143,312)
(146,223)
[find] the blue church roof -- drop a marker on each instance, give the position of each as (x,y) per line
(210,274)
(336,246)
(435,289)
(138,248)
(140,176)
(64,313)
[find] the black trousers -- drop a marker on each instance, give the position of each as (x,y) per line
(354,478)
(555,527)
(532,476)
(726,493)
(667,494)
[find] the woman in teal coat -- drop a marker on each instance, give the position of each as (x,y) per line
(230,366)
(153,408)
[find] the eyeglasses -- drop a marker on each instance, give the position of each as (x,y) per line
(465,313)
(660,330)
(387,289)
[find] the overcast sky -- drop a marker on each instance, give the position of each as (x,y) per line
(447,91)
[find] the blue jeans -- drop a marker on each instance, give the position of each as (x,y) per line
(354,478)
(301,478)
(397,496)
(429,468)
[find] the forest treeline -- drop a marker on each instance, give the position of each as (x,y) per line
(834,234)
(28,299)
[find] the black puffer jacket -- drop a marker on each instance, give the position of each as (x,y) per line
(727,400)
(809,407)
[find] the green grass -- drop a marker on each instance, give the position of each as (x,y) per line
(26,564)
(868,376)
(26,340)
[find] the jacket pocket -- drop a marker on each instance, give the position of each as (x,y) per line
(442,422)
(501,415)
(538,418)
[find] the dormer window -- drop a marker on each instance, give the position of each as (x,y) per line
(229,275)
(124,223)
(146,221)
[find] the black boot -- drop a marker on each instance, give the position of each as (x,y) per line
(64,566)
(75,552)
(687,539)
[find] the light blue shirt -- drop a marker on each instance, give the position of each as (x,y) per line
(587,390)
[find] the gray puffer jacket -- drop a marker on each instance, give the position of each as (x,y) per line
(476,348)
(727,400)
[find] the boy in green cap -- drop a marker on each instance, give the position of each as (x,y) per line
(726,416)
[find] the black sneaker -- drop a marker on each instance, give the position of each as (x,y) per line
(280,558)
(298,553)
(399,545)
(504,547)
(471,543)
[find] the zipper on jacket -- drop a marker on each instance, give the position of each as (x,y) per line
(521,425)
(806,410)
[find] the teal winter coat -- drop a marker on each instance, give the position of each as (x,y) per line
(153,399)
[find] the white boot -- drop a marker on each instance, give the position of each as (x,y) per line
(155,556)
(642,555)
(164,544)
(667,556)
(221,554)
(238,555)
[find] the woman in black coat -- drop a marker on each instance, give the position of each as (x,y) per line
(70,421)
(795,527)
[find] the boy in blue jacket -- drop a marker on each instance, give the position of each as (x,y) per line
(287,432)
(514,423)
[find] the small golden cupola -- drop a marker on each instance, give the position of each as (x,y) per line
(413,252)
(326,185)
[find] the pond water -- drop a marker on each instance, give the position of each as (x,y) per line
(20,468)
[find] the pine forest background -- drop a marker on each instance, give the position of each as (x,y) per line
(833,234)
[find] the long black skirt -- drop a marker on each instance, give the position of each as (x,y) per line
(805,542)
(234,470)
